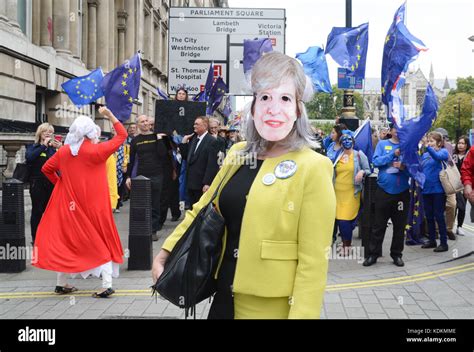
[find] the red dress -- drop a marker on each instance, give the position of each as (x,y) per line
(77,231)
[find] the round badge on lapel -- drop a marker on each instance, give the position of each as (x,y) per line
(269,179)
(285,169)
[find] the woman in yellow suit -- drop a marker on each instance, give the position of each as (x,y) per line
(278,203)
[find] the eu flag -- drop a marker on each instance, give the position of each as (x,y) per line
(411,132)
(316,67)
(253,50)
(363,140)
(215,97)
(416,214)
(348,47)
(400,49)
(121,87)
(85,90)
(162,94)
(210,79)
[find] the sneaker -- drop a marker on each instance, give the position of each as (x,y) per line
(116,210)
(460,232)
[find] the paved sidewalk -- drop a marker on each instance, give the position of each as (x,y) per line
(425,288)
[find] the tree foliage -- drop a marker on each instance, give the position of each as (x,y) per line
(326,106)
(449,115)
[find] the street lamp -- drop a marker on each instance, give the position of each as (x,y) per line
(458,108)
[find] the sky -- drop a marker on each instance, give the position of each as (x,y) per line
(443,25)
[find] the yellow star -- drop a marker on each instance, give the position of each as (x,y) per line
(124,83)
(416,213)
(135,69)
(383,90)
(130,100)
(88,78)
(387,39)
(125,76)
(95,85)
(77,87)
(93,80)
(352,67)
(125,92)
(358,47)
(357,64)
(130,71)
(358,57)
(78,92)
(408,227)
(82,96)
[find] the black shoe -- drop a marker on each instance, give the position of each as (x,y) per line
(398,261)
(441,248)
(175,218)
(429,245)
(371,260)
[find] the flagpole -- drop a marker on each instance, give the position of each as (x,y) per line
(348,110)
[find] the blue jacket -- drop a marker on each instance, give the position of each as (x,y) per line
(393,181)
(431,162)
(360,163)
(331,153)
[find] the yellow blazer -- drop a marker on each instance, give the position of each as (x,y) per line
(286,231)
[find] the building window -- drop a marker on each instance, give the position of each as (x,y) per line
(24,16)
(40,116)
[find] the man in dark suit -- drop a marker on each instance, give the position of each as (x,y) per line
(200,151)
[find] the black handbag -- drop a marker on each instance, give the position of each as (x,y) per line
(22,172)
(188,275)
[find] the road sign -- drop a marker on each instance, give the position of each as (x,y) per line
(346,81)
(198,36)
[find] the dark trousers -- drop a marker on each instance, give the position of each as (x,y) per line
(156,187)
(435,205)
(40,192)
(169,198)
(345,228)
(461,208)
(122,192)
(194,195)
(394,207)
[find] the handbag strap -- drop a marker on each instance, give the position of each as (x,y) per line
(214,196)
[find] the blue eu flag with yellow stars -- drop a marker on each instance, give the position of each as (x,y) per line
(348,47)
(316,67)
(85,90)
(121,87)
(400,49)
(218,91)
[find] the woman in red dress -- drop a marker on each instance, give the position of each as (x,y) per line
(77,233)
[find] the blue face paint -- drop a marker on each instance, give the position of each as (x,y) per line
(347,142)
